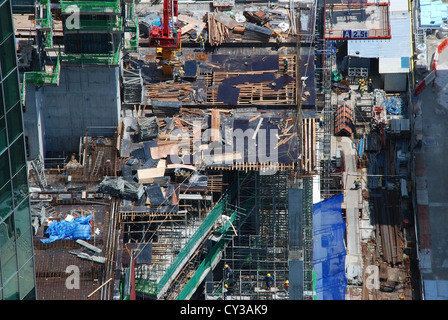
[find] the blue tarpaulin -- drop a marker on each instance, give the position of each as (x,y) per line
(76,229)
(329,249)
(361,147)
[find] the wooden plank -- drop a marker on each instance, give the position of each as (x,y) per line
(185,166)
(188,19)
(255,118)
(147,175)
(284,141)
(215,125)
(160,152)
(161,164)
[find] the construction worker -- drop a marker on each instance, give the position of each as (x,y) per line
(268,279)
(360,83)
(370,84)
(321,121)
(357,183)
(226,289)
(363,88)
(181,74)
(287,285)
(278,41)
(285,64)
(201,43)
(227,271)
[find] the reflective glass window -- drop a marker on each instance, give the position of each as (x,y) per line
(26,279)
(4,168)
(22,218)
(14,119)
(7,55)
(24,247)
(8,256)
(3,140)
(5,21)
(11,289)
(20,186)
(5,200)
(17,151)
(11,90)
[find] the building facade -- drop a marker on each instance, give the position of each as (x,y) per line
(17,276)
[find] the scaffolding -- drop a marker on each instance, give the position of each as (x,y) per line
(131,28)
(307,229)
(99,7)
(112,58)
(96,37)
(41,78)
(178,237)
(325,53)
(261,246)
(44,21)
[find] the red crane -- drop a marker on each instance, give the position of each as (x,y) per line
(168,35)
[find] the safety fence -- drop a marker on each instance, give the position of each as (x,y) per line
(430,77)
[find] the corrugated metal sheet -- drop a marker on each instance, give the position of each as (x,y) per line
(432,13)
(436,289)
(390,52)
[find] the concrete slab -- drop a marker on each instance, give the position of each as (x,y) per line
(434,224)
(351,203)
(342,18)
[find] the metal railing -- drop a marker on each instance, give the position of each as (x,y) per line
(112,7)
(97,25)
(93,58)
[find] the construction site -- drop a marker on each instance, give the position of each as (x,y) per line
(205,145)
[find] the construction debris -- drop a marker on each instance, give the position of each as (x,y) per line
(87,256)
(89,246)
(118,187)
(218,32)
(148,128)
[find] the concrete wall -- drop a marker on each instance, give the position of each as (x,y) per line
(395,82)
(86,97)
(32,119)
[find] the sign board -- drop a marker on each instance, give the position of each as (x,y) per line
(355,34)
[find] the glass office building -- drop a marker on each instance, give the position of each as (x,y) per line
(17,276)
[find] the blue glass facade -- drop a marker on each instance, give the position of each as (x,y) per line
(17,275)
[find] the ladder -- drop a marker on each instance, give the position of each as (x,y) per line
(39,168)
(307,205)
(96,167)
(327,114)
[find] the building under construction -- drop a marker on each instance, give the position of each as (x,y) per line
(196,140)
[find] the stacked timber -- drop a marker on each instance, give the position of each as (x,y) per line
(168,91)
(218,32)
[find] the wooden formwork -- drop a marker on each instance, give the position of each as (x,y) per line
(257,166)
(308,145)
(257,93)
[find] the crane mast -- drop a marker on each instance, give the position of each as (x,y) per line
(166,38)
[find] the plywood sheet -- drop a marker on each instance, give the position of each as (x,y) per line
(148,175)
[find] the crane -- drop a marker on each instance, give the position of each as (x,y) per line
(166,38)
